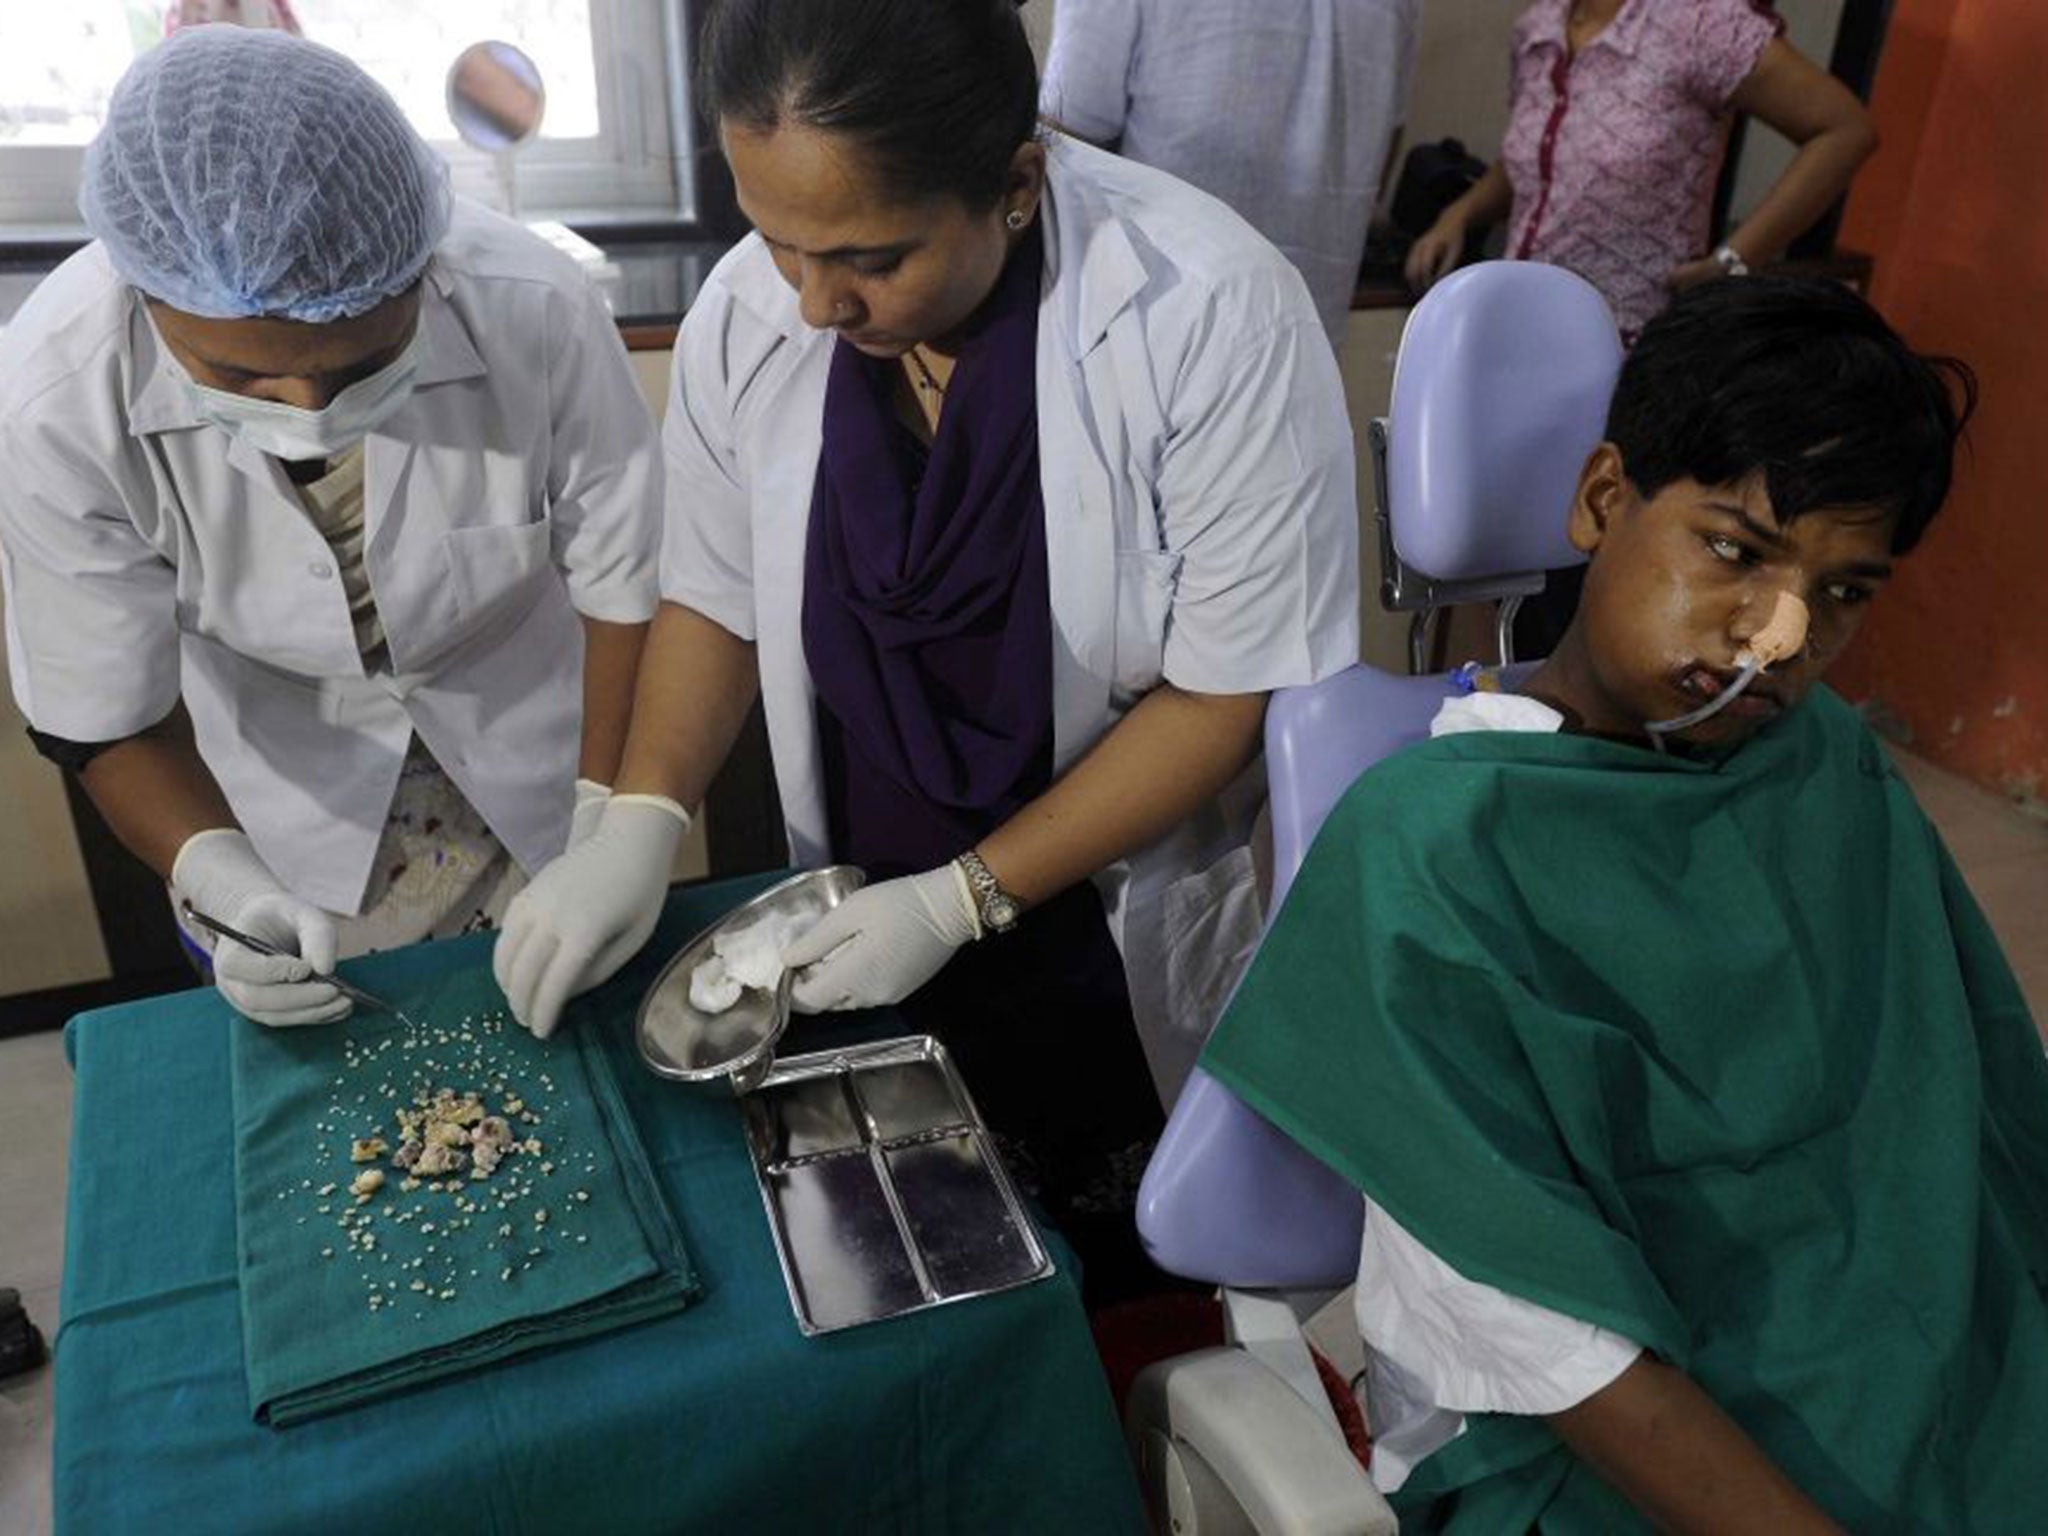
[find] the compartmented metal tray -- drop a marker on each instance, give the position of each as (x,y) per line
(882,1186)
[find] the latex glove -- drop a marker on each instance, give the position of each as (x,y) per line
(219,872)
(883,942)
(588,913)
(590,802)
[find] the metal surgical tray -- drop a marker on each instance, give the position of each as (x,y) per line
(882,1185)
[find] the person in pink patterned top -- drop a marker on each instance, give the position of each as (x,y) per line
(1618,121)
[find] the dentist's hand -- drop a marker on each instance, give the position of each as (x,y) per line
(220,873)
(588,913)
(883,942)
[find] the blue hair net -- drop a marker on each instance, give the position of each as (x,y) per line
(245,172)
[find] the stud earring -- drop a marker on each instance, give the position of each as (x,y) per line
(1014,219)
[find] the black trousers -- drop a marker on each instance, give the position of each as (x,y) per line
(1039,1022)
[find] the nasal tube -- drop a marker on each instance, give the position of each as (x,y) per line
(1782,635)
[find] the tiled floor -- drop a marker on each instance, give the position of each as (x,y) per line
(2004,854)
(35,1139)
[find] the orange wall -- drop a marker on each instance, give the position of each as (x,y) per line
(1953,210)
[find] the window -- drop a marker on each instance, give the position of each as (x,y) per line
(612,70)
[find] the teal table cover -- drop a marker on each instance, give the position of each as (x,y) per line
(991,1416)
(345,1300)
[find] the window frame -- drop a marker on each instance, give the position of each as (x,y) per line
(639,168)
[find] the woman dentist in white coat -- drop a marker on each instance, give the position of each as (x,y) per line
(1014,476)
(329,516)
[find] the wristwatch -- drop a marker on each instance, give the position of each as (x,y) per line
(1731,261)
(997,907)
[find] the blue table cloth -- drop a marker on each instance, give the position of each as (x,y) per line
(989,1416)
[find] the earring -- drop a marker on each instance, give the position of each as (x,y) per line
(1014,219)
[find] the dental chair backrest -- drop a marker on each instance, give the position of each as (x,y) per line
(1500,392)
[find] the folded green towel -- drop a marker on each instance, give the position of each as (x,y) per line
(347,1301)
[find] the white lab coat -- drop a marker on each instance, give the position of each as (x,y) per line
(1196,464)
(147,555)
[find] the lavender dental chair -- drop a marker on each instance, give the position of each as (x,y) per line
(1500,392)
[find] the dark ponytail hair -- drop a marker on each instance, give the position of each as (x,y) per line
(938,93)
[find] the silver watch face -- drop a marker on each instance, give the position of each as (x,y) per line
(1000,912)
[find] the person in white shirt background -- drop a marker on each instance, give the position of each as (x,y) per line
(329,521)
(1012,476)
(1284,109)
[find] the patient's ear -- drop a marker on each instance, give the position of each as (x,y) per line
(1603,489)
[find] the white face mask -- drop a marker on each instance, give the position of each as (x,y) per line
(289,432)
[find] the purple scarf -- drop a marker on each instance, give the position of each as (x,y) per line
(927,616)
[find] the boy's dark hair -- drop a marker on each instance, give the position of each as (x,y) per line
(939,92)
(1801,380)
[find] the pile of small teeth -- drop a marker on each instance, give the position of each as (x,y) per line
(451,1136)
(462,1196)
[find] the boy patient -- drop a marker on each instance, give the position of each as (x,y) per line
(1702,1126)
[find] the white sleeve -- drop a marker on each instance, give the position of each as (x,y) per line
(1088,65)
(707,551)
(1475,1349)
(1257,494)
(92,626)
(604,480)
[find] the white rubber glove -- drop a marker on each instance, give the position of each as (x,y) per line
(588,913)
(220,873)
(883,942)
(590,802)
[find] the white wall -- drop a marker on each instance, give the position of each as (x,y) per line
(1460,89)
(1037,18)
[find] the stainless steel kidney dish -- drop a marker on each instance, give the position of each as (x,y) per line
(731,1050)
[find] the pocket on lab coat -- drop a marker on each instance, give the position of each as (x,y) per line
(1145,580)
(493,563)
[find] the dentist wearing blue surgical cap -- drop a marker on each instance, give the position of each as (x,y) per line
(328,518)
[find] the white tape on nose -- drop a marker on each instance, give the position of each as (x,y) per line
(1783,633)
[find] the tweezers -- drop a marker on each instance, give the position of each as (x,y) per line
(347,989)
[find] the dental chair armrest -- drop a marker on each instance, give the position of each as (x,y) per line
(1290,1474)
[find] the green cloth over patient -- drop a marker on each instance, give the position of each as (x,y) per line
(1719,1056)
(605,1254)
